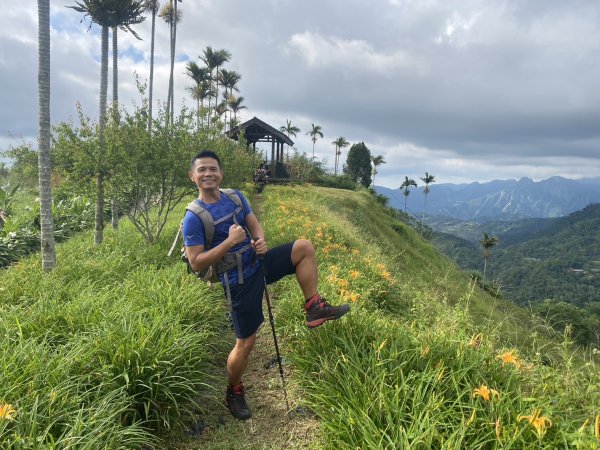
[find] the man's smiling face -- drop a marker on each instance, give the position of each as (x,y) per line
(207,174)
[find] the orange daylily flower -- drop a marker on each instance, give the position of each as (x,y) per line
(509,358)
(540,423)
(7,411)
(484,392)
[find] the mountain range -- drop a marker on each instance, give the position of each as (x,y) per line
(499,199)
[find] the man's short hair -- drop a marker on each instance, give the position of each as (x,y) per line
(206,154)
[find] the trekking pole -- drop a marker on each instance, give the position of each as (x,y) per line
(261,260)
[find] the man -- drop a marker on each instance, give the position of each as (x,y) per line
(237,228)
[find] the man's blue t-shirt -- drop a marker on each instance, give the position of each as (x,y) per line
(193,231)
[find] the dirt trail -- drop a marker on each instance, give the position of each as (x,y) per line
(271,426)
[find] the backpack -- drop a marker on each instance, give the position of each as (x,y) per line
(231,259)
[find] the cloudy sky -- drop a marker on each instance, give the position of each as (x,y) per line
(467,90)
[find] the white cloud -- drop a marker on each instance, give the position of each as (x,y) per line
(347,54)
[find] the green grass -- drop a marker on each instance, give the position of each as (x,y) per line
(401,371)
(114,343)
(118,345)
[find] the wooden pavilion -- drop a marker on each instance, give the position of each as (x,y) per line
(255,130)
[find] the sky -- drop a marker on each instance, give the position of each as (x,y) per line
(466,90)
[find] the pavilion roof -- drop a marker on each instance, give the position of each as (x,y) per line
(255,130)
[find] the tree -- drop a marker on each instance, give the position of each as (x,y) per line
(200,89)
(487,242)
(229,80)
(289,129)
(151,6)
(44,164)
(358,164)
(171,16)
(221,57)
(235,104)
(339,143)
(213,60)
(406,184)
(376,161)
(127,20)
(427,179)
(107,14)
(314,133)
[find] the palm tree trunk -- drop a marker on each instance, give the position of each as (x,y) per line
(170,90)
(115,85)
(173,60)
(99,222)
(484,267)
(151,68)
(424,208)
(44,167)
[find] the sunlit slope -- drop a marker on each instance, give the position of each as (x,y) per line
(423,359)
(356,220)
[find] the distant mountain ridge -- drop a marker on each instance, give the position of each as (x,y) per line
(500,199)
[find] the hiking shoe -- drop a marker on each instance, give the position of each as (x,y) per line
(236,402)
(318,311)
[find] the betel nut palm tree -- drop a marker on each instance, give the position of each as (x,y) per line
(406,184)
(235,105)
(107,14)
(131,20)
(44,164)
(171,15)
(199,76)
(314,134)
(376,161)
(427,179)
(152,7)
(339,143)
(487,242)
(229,79)
(289,130)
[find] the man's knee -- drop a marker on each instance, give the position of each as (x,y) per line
(246,345)
(302,248)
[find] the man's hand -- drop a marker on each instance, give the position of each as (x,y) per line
(259,245)
(236,234)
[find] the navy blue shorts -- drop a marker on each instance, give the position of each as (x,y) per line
(246,299)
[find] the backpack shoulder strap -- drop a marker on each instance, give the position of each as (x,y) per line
(233,196)
(207,221)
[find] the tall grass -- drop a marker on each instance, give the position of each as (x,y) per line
(113,345)
(423,360)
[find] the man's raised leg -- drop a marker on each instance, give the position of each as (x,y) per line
(318,311)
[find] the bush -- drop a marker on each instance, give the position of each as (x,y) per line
(335,181)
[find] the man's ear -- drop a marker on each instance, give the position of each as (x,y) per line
(191,175)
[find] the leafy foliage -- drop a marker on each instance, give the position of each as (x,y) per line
(147,172)
(358,164)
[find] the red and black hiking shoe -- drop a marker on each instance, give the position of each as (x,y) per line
(318,311)
(236,402)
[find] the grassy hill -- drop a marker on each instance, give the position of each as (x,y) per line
(118,346)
